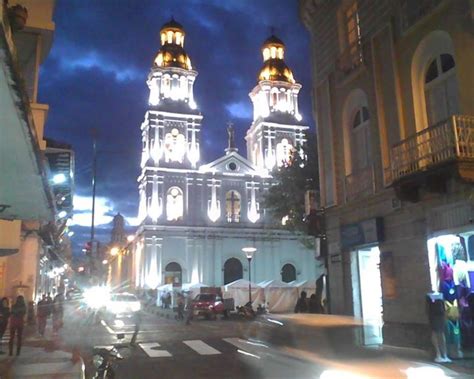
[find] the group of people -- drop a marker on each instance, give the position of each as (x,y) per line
(47,307)
(166,300)
(15,316)
(311,305)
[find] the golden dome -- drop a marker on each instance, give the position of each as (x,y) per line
(172,53)
(274,67)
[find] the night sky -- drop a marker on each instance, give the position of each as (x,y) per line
(95,77)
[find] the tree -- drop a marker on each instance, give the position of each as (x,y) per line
(286,199)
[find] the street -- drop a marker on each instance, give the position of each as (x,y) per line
(165,348)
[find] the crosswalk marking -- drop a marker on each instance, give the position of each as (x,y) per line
(237,342)
(150,349)
(201,348)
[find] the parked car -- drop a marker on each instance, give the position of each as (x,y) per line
(208,305)
(123,304)
(325,347)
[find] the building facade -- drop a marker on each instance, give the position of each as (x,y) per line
(195,217)
(393,98)
(31,225)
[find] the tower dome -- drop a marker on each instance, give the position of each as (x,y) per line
(172,53)
(274,67)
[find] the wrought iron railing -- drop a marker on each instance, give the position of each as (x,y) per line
(359,183)
(448,140)
(414,10)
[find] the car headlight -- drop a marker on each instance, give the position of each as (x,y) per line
(135,306)
(425,372)
(338,374)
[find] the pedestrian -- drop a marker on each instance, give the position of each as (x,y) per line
(313,304)
(189,308)
(58,313)
(4,316)
(49,305)
(301,304)
(181,303)
(17,323)
(42,314)
(168,300)
(137,319)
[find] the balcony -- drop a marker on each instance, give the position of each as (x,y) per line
(413,11)
(351,58)
(432,151)
(359,184)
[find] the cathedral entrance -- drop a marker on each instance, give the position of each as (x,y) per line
(173,274)
(288,273)
(232,270)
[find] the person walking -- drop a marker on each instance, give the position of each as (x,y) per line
(4,316)
(17,323)
(42,314)
(58,313)
(137,318)
(181,303)
(49,305)
(301,304)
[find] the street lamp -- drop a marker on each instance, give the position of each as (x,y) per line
(114,251)
(249,252)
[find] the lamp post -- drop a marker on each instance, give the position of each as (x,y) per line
(249,252)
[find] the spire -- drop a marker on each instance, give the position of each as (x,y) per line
(230,138)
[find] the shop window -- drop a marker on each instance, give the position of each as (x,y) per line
(441,89)
(174,204)
(232,200)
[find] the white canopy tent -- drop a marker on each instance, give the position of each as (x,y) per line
(280,297)
(165,288)
(309,286)
(239,291)
(193,288)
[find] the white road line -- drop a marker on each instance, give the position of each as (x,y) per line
(201,347)
(109,329)
(237,342)
(150,349)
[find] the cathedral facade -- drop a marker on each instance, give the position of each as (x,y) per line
(196,218)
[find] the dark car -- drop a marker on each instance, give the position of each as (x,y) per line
(208,305)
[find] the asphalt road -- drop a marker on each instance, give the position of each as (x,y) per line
(165,348)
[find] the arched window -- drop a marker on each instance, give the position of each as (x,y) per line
(288,273)
(360,147)
(173,274)
(232,270)
(441,89)
(232,200)
(175,146)
(283,152)
(174,204)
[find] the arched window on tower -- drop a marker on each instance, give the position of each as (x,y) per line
(441,89)
(174,204)
(232,270)
(175,146)
(360,146)
(288,273)
(284,150)
(232,200)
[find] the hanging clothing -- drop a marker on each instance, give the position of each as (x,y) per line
(449,290)
(446,272)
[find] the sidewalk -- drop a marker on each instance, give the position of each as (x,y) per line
(38,360)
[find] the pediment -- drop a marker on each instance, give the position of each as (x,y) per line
(231,163)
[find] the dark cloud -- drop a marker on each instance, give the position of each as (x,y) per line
(95,77)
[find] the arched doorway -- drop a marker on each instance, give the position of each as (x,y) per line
(288,273)
(232,270)
(173,274)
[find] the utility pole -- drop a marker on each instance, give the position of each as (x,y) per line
(94,173)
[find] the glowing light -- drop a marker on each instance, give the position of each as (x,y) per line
(96,297)
(80,269)
(214,209)
(114,251)
(62,214)
(70,233)
(249,251)
(174,204)
(59,179)
(105,261)
(130,238)
(252,213)
(337,374)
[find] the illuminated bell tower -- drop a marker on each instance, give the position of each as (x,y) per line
(171,129)
(276,128)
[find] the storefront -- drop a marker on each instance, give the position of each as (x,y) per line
(451,261)
(362,241)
